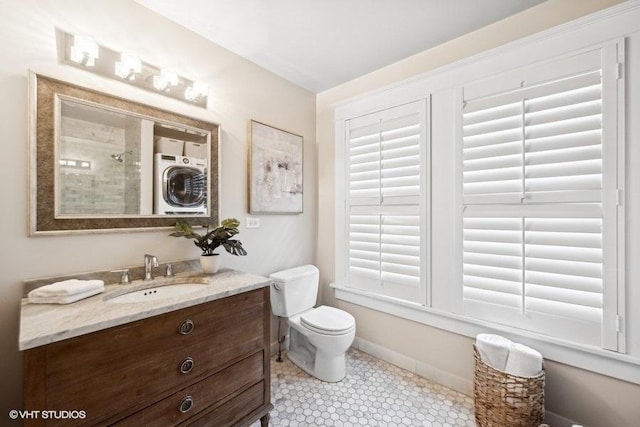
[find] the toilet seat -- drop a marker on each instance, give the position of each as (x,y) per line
(328,321)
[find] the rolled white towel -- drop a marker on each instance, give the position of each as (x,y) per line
(67,288)
(493,350)
(523,361)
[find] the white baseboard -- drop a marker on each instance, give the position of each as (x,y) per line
(439,376)
(422,369)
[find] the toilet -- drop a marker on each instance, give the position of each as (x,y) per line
(318,337)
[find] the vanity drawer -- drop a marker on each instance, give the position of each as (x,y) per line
(232,411)
(122,369)
(203,395)
(171,330)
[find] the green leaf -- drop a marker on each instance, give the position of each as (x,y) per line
(214,238)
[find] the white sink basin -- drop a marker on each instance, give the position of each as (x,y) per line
(158,293)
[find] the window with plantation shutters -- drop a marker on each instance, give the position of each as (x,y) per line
(533,205)
(385,161)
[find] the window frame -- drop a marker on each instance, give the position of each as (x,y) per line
(608,26)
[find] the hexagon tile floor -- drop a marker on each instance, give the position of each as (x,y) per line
(374,393)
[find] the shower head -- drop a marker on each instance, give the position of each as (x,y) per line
(120,156)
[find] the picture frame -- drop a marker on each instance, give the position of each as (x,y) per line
(275,170)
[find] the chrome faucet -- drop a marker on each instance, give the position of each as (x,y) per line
(149,262)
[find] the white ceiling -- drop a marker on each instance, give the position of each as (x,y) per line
(319,44)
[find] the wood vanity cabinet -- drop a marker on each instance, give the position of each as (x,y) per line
(206,365)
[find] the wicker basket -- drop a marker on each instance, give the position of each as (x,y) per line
(502,399)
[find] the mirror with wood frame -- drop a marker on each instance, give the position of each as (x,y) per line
(102,163)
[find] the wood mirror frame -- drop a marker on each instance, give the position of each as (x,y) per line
(42,168)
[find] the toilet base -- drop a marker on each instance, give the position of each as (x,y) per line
(328,368)
(331,371)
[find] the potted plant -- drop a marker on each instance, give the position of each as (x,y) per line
(211,240)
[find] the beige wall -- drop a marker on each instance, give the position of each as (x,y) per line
(240,91)
(572,393)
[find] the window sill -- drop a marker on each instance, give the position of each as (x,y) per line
(616,365)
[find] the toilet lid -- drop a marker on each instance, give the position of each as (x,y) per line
(328,320)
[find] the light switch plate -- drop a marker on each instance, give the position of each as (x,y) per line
(252,222)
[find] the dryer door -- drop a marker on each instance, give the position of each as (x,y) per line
(184,186)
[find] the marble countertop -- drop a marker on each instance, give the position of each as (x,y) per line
(42,324)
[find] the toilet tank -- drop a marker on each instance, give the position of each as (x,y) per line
(294,290)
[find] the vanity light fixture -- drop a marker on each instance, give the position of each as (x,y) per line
(83,52)
(128,66)
(165,80)
(196,91)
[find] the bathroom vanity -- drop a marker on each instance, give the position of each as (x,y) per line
(199,359)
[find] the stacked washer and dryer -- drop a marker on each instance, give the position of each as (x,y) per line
(180,177)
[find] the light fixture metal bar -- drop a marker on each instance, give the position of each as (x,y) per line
(177,87)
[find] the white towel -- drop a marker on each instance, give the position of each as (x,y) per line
(523,361)
(493,350)
(65,292)
(64,299)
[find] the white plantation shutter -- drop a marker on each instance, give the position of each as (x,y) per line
(563,278)
(385,161)
(542,271)
(384,158)
(492,270)
(563,140)
(533,205)
(493,152)
(384,249)
(542,143)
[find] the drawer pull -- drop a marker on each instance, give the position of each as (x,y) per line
(187,365)
(186,404)
(186,327)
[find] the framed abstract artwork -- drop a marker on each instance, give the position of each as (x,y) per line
(275,170)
